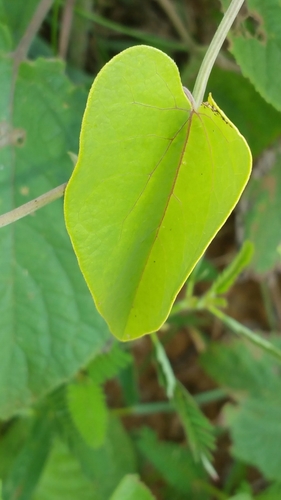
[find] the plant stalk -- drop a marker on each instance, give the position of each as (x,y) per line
(245,332)
(38,17)
(33,205)
(213,51)
(201,399)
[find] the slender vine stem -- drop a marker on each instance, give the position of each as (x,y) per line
(39,15)
(245,332)
(164,363)
(213,51)
(33,205)
(201,399)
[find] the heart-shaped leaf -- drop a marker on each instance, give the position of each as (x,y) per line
(154,182)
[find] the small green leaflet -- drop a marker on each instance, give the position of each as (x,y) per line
(153,184)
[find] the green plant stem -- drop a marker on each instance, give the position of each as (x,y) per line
(165,365)
(245,332)
(33,205)
(167,407)
(213,51)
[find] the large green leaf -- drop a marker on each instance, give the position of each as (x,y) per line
(48,324)
(154,182)
(256,46)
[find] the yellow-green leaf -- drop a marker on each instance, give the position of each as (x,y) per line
(154,182)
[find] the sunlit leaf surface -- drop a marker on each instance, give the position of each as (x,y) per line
(154,182)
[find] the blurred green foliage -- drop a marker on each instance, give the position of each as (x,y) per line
(60,437)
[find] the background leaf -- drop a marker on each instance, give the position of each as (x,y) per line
(131,488)
(256,434)
(262,216)
(107,465)
(257,120)
(48,324)
(256,45)
(254,423)
(175,464)
(63,479)
(28,465)
(12,441)
(17,15)
(241,369)
(88,410)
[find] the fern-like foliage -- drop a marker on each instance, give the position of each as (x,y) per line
(62,478)
(199,431)
(175,464)
(86,403)
(104,466)
(108,364)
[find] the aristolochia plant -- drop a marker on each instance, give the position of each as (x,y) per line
(157,175)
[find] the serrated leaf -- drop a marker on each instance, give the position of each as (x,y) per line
(154,182)
(198,430)
(63,479)
(48,324)
(262,219)
(131,488)
(88,410)
(257,48)
(108,364)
